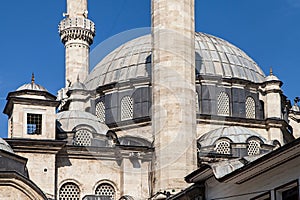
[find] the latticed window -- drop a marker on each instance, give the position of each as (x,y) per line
(126,108)
(223,104)
(82,137)
(250,108)
(106,190)
(100,111)
(253,147)
(69,191)
(223,147)
(34,124)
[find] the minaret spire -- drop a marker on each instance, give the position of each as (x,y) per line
(77,34)
(32,78)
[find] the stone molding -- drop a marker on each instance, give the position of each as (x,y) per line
(77,29)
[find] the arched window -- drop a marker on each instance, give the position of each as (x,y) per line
(82,137)
(106,190)
(250,108)
(69,191)
(100,111)
(126,108)
(223,147)
(223,104)
(197,102)
(253,147)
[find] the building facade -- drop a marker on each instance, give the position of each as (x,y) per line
(159,108)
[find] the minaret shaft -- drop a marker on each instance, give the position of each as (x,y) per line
(173,82)
(76,8)
(77,33)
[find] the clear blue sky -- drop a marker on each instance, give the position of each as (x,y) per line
(268,30)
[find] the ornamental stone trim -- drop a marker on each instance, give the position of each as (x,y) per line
(77,29)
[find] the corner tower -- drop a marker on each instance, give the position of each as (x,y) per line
(77,33)
(173,82)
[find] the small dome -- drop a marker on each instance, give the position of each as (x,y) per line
(236,134)
(271,77)
(68,120)
(214,57)
(78,85)
(4,146)
(32,86)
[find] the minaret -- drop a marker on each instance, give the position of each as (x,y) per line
(77,34)
(173,82)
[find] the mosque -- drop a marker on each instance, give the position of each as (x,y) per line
(176,114)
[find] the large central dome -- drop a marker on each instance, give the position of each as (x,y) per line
(214,57)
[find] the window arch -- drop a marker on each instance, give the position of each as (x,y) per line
(69,191)
(223,147)
(126,108)
(100,111)
(82,137)
(250,108)
(253,147)
(106,190)
(223,104)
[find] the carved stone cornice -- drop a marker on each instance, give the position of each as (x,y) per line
(77,28)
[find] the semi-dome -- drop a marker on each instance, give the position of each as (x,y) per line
(214,57)
(236,134)
(69,120)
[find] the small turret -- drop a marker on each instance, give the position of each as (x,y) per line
(31,112)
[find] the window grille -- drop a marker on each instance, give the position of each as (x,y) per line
(223,104)
(34,124)
(83,137)
(69,191)
(223,147)
(100,111)
(106,190)
(250,108)
(126,108)
(253,147)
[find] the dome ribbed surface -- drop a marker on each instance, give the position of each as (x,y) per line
(236,134)
(32,86)
(214,57)
(68,120)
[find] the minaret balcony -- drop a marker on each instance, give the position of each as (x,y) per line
(78,28)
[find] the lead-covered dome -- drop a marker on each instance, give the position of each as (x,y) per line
(236,134)
(32,86)
(214,57)
(69,120)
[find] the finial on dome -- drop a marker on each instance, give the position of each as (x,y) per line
(32,78)
(271,71)
(78,80)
